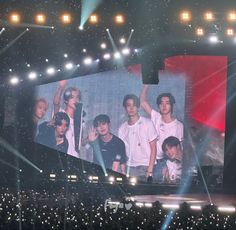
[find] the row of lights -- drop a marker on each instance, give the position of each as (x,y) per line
(68,66)
(65,18)
(201,32)
(186,16)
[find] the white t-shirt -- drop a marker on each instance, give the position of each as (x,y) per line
(175,170)
(70,135)
(136,138)
(164,130)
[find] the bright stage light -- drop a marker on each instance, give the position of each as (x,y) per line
(65,55)
(69,65)
(195,207)
(88,61)
(15,18)
(93,19)
(125,51)
(230,32)
(111,179)
(133,180)
(40,18)
(51,71)
(81,28)
(226,209)
(103,45)
(122,40)
(139,204)
(66,18)
(84,50)
(107,56)
(32,75)
(107,30)
(14,80)
(117,55)
(208,16)
(119,19)
(185,16)
(170,206)
(213,39)
(232,16)
(199,31)
(148,205)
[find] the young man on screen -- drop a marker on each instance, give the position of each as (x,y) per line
(139,136)
(108,148)
(71,97)
(165,123)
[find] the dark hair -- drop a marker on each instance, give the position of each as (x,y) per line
(132,97)
(101,118)
(68,93)
(169,95)
(58,117)
(170,142)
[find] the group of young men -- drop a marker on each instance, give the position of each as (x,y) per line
(145,147)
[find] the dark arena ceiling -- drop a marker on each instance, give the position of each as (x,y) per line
(22,50)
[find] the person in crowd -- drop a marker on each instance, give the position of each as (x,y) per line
(139,136)
(165,123)
(52,134)
(108,148)
(172,149)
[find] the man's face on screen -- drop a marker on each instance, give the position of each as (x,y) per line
(74,99)
(40,109)
(103,128)
(174,152)
(165,107)
(130,108)
(62,128)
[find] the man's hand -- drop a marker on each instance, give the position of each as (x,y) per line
(62,84)
(92,134)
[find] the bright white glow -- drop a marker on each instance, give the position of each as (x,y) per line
(72,177)
(213,39)
(111,179)
(97,60)
(196,207)
(126,51)
(170,206)
(136,50)
(107,29)
(119,179)
(122,41)
(226,209)
(65,55)
(117,55)
(3,29)
(107,56)
(52,175)
(139,204)
(10,70)
(51,71)
(46,60)
(84,50)
(69,65)
(88,61)
(32,75)
(14,80)
(93,177)
(41,171)
(81,28)
(132,30)
(148,205)
(27,29)
(28,65)
(133,180)
(103,45)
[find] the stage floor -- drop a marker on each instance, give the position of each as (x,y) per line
(191,199)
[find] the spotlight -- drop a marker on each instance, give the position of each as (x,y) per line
(40,18)
(72,178)
(66,18)
(32,75)
(93,179)
(213,39)
(51,71)
(15,18)
(133,180)
(107,30)
(84,50)
(52,176)
(232,16)
(81,27)
(185,16)
(229,32)
(88,61)
(170,206)
(119,19)
(107,56)
(148,205)
(46,60)
(132,30)
(199,31)
(119,179)
(14,80)
(226,209)
(41,171)
(69,65)
(65,55)
(122,40)
(93,19)
(117,55)
(111,179)
(139,204)
(195,207)
(103,46)
(208,16)
(126,51)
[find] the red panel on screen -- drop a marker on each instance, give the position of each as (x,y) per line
(207,75)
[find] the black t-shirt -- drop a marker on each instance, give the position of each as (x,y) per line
(46,136)
(112,151)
